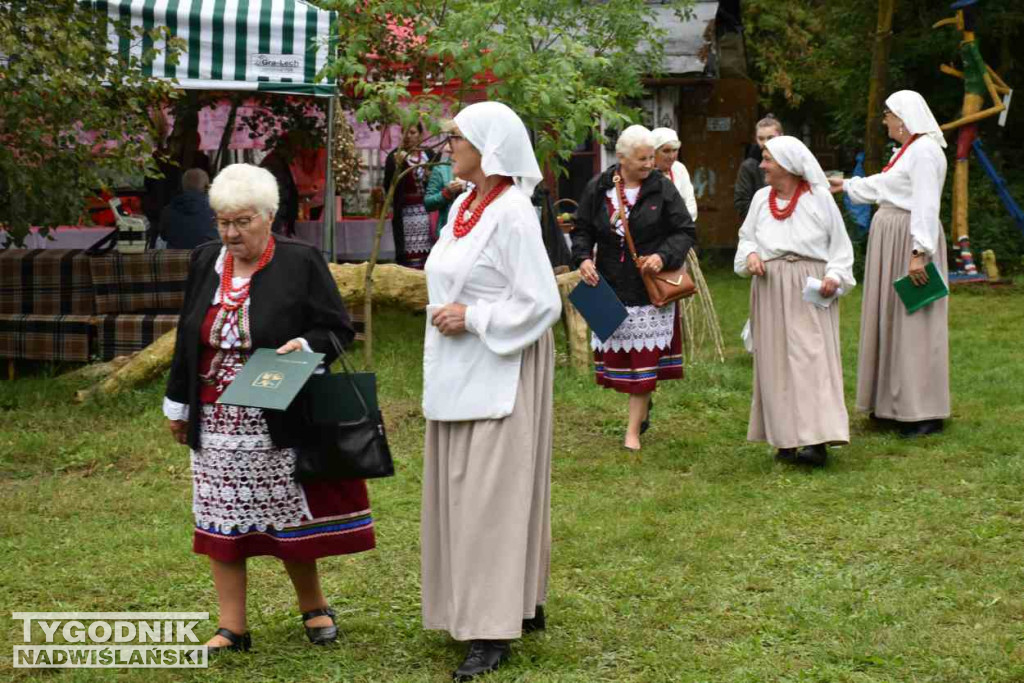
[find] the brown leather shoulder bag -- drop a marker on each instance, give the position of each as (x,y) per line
(663,287)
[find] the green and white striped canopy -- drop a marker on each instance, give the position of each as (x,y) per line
(267,45)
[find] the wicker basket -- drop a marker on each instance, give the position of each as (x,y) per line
(565,225)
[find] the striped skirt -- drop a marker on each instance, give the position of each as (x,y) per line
(647,348)
(246,502)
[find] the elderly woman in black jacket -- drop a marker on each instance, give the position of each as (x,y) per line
(646,348)
(254,290)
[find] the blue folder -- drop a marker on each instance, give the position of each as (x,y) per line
(599,307)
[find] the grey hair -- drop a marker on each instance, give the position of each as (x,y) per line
(195,180)
(633,137)
(244,186)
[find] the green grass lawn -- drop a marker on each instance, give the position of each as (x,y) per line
(702,561)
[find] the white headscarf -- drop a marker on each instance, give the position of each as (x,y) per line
(915,114)
(663,136)
(791,154)
(504,145)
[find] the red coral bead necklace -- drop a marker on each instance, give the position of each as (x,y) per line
(464,225)
(230,297)
(782,214)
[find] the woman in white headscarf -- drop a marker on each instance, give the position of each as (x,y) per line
(903,363)
(488,367)
(666,160)
(793,238)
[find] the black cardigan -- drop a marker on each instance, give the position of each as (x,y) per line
(293,296)
(658,222)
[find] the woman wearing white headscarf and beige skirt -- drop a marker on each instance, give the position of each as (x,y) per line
(903,363)
(488,369)
(794,232)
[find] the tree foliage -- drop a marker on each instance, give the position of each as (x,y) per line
(812,61)
(73,115)
(562,65)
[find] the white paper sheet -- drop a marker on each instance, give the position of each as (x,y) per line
(813,295)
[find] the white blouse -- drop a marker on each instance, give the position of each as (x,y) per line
(815,230)
(680,177)
(511,298)
(913,184)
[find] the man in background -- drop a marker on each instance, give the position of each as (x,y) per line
(187,221)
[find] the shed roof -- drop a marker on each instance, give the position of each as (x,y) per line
(689,42)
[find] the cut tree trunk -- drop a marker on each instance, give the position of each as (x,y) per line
(147,365)
(392,285)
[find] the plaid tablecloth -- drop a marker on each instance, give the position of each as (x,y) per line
(151,282)
(45,282)
(46,337)
(120,335)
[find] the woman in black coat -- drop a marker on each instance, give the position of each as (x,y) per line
(646,348)
(253,290)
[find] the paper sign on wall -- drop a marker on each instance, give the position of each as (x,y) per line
(719,123)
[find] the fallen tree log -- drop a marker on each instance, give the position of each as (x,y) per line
(392,285)
(98,371)
(147,365)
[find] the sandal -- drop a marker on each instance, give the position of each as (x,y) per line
(239,643)
(320,635)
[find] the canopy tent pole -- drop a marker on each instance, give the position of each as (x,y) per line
(328,218)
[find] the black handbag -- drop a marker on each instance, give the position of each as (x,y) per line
(345,437)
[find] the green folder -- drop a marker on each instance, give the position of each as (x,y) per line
(271,380)
(915,297)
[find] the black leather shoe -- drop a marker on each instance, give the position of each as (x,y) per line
(239,643)
(537,623)
(483,657)
(646,424)
(786,455)
(320,635)
(911,430)
(815,455)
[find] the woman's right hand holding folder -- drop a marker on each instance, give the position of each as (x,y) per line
(588,271)
(916,271)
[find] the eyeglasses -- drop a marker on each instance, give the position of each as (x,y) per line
(242,223)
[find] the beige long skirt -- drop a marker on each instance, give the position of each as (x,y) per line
(798,372)
(485,531)
(903,363)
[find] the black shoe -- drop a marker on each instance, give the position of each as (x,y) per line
(483,657)
(786,455)
(320,635)
(815,455)
(911,430)
(646,424)
(882,422)
(239,643)
(537,623)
